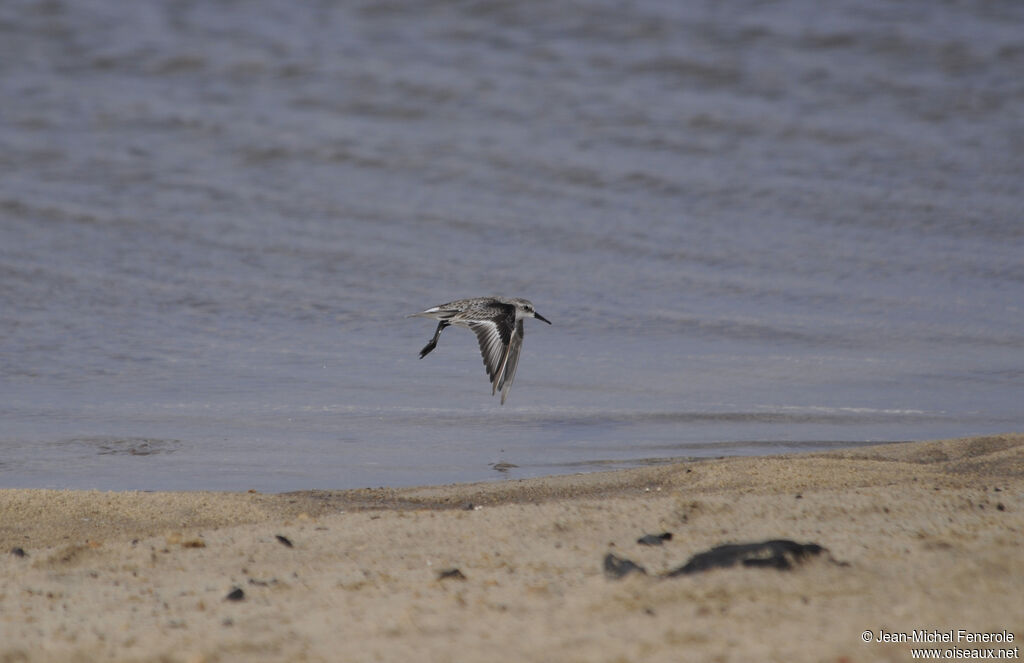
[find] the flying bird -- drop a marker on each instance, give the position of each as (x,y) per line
(498,325)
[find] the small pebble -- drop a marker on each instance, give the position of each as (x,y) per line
(451,574)
(285,541)
(616,567)
(654,539)
(236,594)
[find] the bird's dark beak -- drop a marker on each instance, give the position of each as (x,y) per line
(541,317)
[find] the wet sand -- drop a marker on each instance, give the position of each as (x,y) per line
(923,535)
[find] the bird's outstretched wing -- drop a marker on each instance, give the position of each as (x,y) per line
(495,336)
(511,361)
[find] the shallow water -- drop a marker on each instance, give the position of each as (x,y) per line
(756,227)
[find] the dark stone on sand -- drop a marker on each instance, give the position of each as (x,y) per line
(18,552)
(616,567)
(285,541)
(450,574)
(654,539)
(781,554)
(236,594)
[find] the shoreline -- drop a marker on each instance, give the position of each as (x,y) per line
(918,535)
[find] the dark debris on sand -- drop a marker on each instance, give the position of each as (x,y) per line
(781,554)
(654,539)
(451,574)
(616,567)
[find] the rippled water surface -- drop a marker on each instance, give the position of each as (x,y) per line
(757,227)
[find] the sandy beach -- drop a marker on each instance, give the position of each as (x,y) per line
(923,536)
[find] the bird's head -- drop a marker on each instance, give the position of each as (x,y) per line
(526,309)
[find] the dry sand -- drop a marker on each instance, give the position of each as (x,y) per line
(920,536)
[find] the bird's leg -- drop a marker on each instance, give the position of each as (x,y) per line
(433,342)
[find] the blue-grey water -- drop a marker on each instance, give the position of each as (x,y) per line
(756,226)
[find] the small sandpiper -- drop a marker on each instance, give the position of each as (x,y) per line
(498,325)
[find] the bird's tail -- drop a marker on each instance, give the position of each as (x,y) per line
(436,313)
